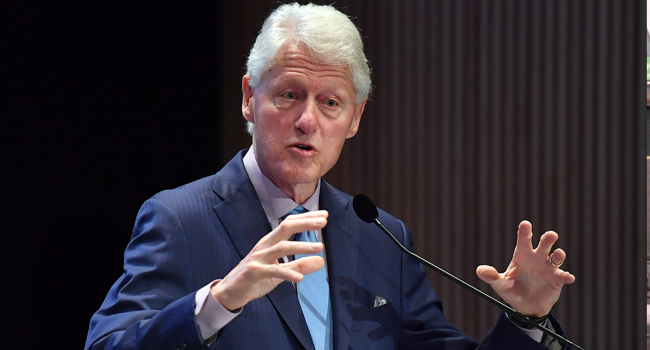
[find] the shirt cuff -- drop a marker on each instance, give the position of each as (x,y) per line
(534,333)
(210,315)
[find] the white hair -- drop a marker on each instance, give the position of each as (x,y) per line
(329,35)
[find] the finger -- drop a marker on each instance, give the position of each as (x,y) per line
(290,227)
(294,271)
(565,277)
(306,265)
(525,236)
(283,272)
(309,214)
(546,243)
(558,256)
(487,274)
(284,248)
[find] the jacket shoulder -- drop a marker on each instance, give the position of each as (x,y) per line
(197,187)
(185,202)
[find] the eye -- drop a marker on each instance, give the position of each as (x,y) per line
(289,95)
(330,103)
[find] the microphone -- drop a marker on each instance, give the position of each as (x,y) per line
(367,211)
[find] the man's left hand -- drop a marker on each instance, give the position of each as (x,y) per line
(530,284)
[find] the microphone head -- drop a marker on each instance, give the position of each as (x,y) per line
(365,209)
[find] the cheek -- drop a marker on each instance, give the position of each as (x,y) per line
(267,125)
(274,120)
(334,144)
(337,133)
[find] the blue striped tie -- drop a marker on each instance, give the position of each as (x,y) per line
(314,296)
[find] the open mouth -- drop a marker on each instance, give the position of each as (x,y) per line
(304,147)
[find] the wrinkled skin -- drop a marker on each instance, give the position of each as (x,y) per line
(303,112)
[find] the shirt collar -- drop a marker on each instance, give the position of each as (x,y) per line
(275,202)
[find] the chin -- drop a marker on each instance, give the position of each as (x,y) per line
(301,174)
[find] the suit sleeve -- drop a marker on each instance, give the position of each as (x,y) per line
(151,306)
(425,327)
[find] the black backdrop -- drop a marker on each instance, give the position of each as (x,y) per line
(106,104)
(109,103)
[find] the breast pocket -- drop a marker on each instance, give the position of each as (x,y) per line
(373,317)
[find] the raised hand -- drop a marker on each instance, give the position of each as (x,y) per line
(259,272)
(531,284)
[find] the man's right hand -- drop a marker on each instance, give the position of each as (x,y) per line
(259,272)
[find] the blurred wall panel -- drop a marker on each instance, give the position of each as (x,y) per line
(488,113)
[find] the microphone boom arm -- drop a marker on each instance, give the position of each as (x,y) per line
(476,291)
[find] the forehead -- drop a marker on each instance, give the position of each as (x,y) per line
(296,62)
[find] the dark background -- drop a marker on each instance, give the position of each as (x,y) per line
(483,114)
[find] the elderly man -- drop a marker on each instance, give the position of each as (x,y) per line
(265,254)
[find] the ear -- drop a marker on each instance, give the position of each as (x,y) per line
(354,126)
(247,99)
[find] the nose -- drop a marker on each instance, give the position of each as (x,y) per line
(306,121)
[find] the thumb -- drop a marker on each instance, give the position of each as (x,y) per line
(487,274)
(307,264)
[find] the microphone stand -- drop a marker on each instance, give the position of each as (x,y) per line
(478,292)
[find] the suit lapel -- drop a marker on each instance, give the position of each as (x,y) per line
(245,221)
(341,237)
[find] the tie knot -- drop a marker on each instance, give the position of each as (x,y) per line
(297,210)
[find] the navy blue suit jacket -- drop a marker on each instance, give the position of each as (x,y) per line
(187,237)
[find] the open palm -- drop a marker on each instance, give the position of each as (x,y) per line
(530,284)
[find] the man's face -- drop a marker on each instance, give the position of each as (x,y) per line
(303,112)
